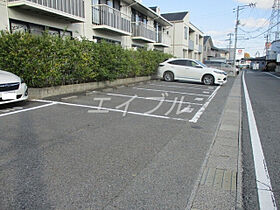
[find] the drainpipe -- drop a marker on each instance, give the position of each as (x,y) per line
(174,40)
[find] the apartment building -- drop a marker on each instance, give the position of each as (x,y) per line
(35,16)
(186,38)
(125,22)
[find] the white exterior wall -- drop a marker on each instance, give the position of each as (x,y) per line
(179,45)
(4,20)
(84,29)
(27,16)
(177,39)
(196,54)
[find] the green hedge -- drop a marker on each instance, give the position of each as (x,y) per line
(44,61)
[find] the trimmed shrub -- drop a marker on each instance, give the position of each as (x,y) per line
(44,61)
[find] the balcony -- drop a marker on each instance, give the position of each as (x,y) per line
(110,19)
(143,32)
(200,48)
(191,45)
(70,10)
(162,39)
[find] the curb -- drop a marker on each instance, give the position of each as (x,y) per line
(38,93)
(219,184)
(239,198)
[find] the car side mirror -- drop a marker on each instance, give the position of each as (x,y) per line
(198,66)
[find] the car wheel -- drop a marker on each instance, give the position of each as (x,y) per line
(168,76)
(208,80)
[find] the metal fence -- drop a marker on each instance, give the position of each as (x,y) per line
(105,15)
(162,37)
(140,29)
(72,7)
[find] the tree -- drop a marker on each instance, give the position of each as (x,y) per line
(247,55)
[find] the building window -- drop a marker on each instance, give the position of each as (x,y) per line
(53,31)
(117,4)
(110,3)
(138,47)
(197,39)
(36,29)
(138,17)
(20,26)
(99,40)
(95,12)
(159,31)
(186,32)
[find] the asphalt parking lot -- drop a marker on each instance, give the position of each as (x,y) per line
(131,147)
(179,101)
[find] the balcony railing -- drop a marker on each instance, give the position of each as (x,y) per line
(61,7)
(191,45)
(200,48)
(104,15)
(143,31)
(163,39)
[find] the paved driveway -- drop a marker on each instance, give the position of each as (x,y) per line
(132,147)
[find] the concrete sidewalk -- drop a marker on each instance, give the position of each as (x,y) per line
(219,184)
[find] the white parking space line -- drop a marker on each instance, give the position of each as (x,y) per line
(184,84)
(90,93)
(203,108)
(151,98)
(265,193)
(180,87)
(272,75)
(70,97)
(176,92)
(29,109)
(11,109)
(199,99)
(113,110)
(206,92)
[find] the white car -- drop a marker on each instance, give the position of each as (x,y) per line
(12,88)
(190,70)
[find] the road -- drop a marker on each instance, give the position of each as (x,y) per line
(264,93)
(86,151)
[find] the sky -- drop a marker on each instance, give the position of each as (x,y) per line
(217,19)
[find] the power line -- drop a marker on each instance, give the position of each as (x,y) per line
(254,37)
(238,9)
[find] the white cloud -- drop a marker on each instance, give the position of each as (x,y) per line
(220,43)
(263,4)
(254,23)
(219,37)
(222,33)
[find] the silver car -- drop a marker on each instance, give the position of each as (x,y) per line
(231,70)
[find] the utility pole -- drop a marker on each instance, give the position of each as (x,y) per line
(238,9)
(230,39)
(235,35)
(266,45)
(230,43)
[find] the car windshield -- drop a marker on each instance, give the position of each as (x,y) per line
(203,65)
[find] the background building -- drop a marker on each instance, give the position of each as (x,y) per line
(210,52)
(125,22)
(186,39)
